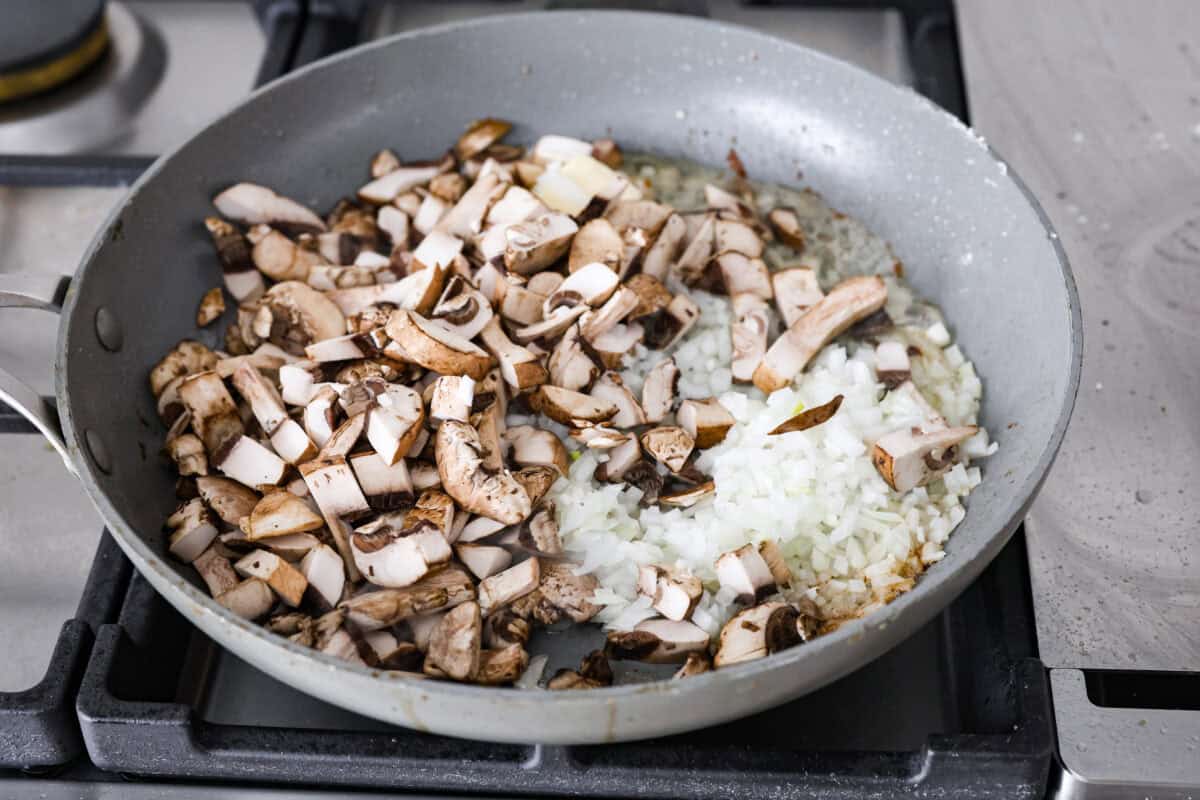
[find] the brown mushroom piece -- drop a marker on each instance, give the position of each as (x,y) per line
(455,642)
(452,398)
(687,496)
(786,224)
(796,291)
(809,417)
(392,556)
(745,572)
(251,204)
(192,530)
(386,486)
(495,495)
(615,344)
(906,459)
(621,459)
(417,292)
(673,594)
(706,421)
(757,632)
(390,185)
(214,414)
(520,368)
(187,358)
(187,451)
(533,245)
(262,396)
(502,666)
(669,326)
(749,329)
(570,408)
(242,279)
(250,599)
(849,301)
(504,628)
(462,310)
(230,500)
(666,249)
(515,205)
(479,136)
(284,579)
(333,488)
(536,480)
(528,446)
(326,575)
(773,556)
(320,414)
(216,571)
(439,591)
(569,593)
(394,423)
(616,308)
(597,242)
(551,327)
(504,587)
(697,663)
(659,391)
(610,388)
(303,315)
(212,306)
(590,285)
(436,348)
(669,445)
(570,365)
(892,366)
(465,218)
(539,533)
(280,513)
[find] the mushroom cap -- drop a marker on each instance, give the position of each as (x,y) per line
(497,495)
(436,348)
(317,316)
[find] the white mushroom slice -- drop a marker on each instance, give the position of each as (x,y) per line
(598,322)
(479,528)
(465,313)
(673,594)
(417,292)
(454,643)
(396,224)
(675,321)
(610,388)
(192,530)
(394,558)
(395,422)
(535,244)
(436,348)
(465,219)
(266,357)
(591,285)
(552,147)
(187,358)
(520,368)
(706,421)
(659,391)
(536,481)
(848,302)
(769,550)
(720,200)
(550,327)
(439,591)
(262,396)
(292,547)
(892,366)
(489,248)
(786,225)
(280,513)
(214,414)
(521,305)
(529,446)
(677,639)
(598,241)
(492,283)
(517,205)
(495,495)
(645,215)
(216,571)
(332,486)
(386,486)
(421,627)
(424,475)
(689,496)
(483,560)
(452,398)
(745,572)
(513,583)
(615,343)
(757,632)
(284,579)
(251,204)
(323,569)
(620,459)
(569,407)
(248,462)
(669,445)
(544,283)
(339,348)
(570,366)
(796,291)
(742,275)
(187,451)
(490,424)
(598,437)
(733,236)
(279,258)
(229,499)
(906,459)
(667,248)
(388,186)
(297,381)
(308,315)
(691,264)
(438,249)
(250,599)
(539,534)
(242,278)
(319,415)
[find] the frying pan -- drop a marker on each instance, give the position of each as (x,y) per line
(969,235)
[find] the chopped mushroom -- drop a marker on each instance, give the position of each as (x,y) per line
(216,571)
(745,572)
(786,225)
(187,451)
(192,530)
(796,291)
(284,579)
(567,592)
(248,462)
(675,320)
(848,302)
(591,285)
(667,248)
(504,587)
(335,491)
(621,459)
(250,599)
(452,398)
(395,557)
(757,632)
(610,388)
(539,533)
(496,495)
(673,594)
(242,279)
(520,368)
(533,245)
(212,306)
(502,666)
(382,608)
(892,366)
(570,408)
(436,348)
(214,414)
(697,664)
(251,204)
(536,481)
(809,418)
(706,421)
(659,391)
(773,556)
(597,242)
(230,500)
(688,496)
(570,365)
(483,560)
(280,513)
(454,643)
(669,445)
(908,459)
(748,332)
(532,446)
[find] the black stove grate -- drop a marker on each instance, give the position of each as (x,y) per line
(961,707)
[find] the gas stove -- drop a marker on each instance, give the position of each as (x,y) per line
(128,700)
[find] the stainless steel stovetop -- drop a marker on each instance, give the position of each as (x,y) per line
(175,65)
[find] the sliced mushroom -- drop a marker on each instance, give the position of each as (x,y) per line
(504,587)
(280,513)
(386,187)
(757,632)
(214,414)
(216,571)
(598,241)
(692,263)
(280,258)
(386,486)
(439,591)
(743,275)
(687,496)
(496,496)
(479,136)
(676,639)
(251,204)
(551,327)
(591,285)
(424,475)
(706,421)
(659,392)
(248,462)
(418,292)
(560,193)
(796,291)
(520,305)
(284,579)
(504,628)
(539,534)
(250,599)
(809,418)
(615,344)
(448,186)
(452,398)
(849,301)
(722,201)
(332,486)
(645,215)
(454,643)
(533,446)
(600,437)
(697,664)
(319,415)
(520,368)
(394,424)
(516,205)
(345,437)
(436,348)
(773,556)
(480,528)
(464,313)
(734,236)
(570,365)
(262,396)
(292,547)
(552,147)
(673,594)
(501,667)
(188,358)
(535,244)
(745,572)
(892,366)
(536,480)
(907,458)
(570,408)
(187,451)
(394,557)
(610,388)
(653,296)
(663,330)
(192,530)
(786,224)
(229,499)
(490,425)
(436,508)
(669,445)
(931,419)
(241,277)
(748,333)
(620,460)
(667,248)
(617,308)
(569,593)
(465,219)
(303,315)
(212,306)
(482,559)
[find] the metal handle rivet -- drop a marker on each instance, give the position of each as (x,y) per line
(108,330)
(97,451)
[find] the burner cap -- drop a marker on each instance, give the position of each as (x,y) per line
(45,44)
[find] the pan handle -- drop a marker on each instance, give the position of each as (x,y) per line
(44,291)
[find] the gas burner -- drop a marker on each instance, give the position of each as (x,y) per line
(45,45)
(90,108)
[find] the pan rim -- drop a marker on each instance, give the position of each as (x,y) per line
(153,566)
